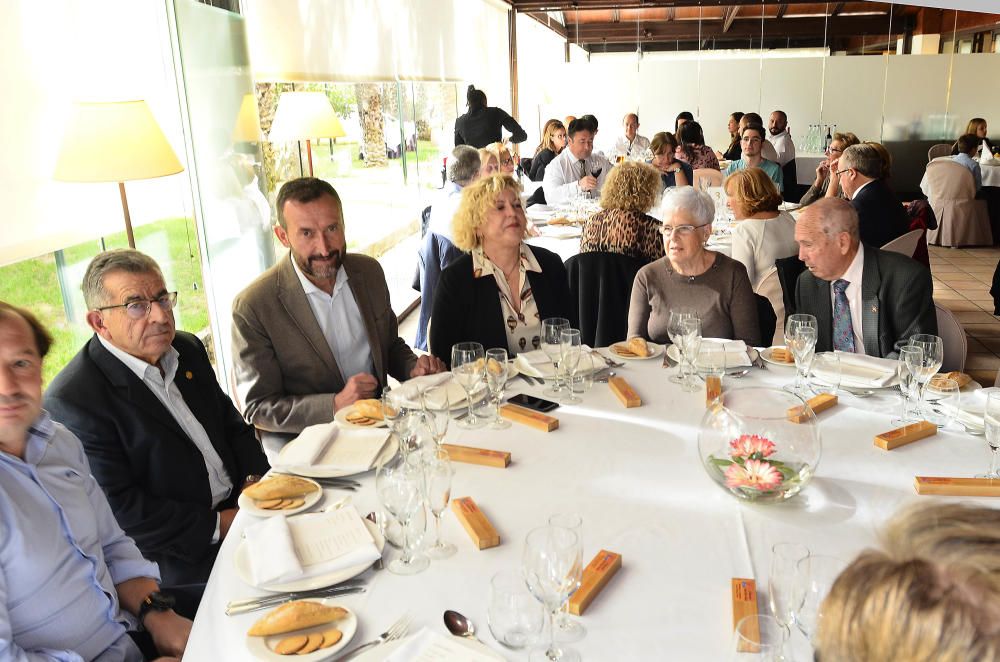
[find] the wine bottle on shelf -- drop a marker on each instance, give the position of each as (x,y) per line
(828,139)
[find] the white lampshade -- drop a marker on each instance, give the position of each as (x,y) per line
(247,128)
(303,116)
(114,142)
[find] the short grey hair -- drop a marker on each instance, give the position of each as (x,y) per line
(463,166)
(687,198)
(128,260)
(833,216)
(863,158)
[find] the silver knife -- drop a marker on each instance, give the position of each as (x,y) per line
(350,583)
(275,600)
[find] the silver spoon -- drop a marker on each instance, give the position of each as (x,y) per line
(459,625)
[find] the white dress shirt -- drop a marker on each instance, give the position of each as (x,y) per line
(783,147)
(442,211)
(634,148)
(853,275)
(340,319)
(166,391)
(562,176)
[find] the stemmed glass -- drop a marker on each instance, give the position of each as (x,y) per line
(933,357)
(552,565)
(800,338)
(397,412)
(570,351)
(438,472)
(674,319)
(437,411)
(816,574)
(551,338)
(782,581)
(690,345)
(399,485)
(910,359)
(568,629)
(943,400)
(991,421)
(496,380)
(826,373)
(468,365)
(759,638)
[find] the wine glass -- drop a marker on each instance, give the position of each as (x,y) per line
(570,350)
(395,412)
(551,338)
(991,421)
(826,373)
(437,409)
(552,565)
(496,380)
(759,638)
(816,574)
(802,345)
(438,472)
(674,319)
(399,485)
(933,357)
(568,629)
(910,359)
(782,584)
(943,400)
(690,345)
(468,364)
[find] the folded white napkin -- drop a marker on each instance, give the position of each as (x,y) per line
(969,407)
(985,156)
(429,646)
(736,352)
(412,388)
(309,445)
(865,371)
(354,451)
(535,363)
(272,554)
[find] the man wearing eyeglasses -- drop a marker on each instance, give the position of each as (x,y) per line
(164,441)
(752,141)
(881,216)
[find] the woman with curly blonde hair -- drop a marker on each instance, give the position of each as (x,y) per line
(501,290)
(623,224)
(763,233)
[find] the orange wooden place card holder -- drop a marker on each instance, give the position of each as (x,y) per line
(905,435)
(745,604)
(533,419)
(973,487)
(626,394)
(713,389)
(476,525)
(818,403)
(595,577)
(472,455)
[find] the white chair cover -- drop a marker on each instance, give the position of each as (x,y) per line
(962,220)
(907,244)
(770,287)
(706,177)
(953,335)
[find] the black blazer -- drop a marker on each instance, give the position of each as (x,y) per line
(538,163)
(153,474)
(881,216)
(896,300)
(467,309)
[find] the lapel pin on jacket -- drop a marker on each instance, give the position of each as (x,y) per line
(189,374)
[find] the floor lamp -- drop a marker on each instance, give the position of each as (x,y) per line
(304,116)
(115,142)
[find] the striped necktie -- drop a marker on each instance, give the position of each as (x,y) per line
(583,168)
(843,329)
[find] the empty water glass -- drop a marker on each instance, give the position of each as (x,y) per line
(566,628)
(571,348)
(690,345)
(816,574)
(514,616)
(800,338)
(826,373)
(583,379)
(942,398)
(782,580)
(674,319)
(437,407)
(468,364)
(910,359)
(496,380)
(759,638)
(438,472)
(991,420)
(551,345)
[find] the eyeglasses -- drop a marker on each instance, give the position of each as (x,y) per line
(833,149)
(139,308)
(754,139)
(681,230)
(840,172)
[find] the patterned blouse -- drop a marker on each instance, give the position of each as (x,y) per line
(524,329)
(629,233)
(702,156)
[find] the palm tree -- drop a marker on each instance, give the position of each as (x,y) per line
(372,124)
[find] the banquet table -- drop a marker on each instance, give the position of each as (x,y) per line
(636,477)
(991,173)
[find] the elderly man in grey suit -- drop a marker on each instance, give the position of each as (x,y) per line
(865,300)
(315,332)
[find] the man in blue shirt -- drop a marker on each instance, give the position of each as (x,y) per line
(967,146)
(72,584)
(752,141)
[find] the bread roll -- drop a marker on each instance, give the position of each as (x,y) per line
(295,615)
(369,409)
(280,486)
(638,346)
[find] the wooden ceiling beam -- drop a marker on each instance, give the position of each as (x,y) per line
(563,5)
(781,10)
(729,16)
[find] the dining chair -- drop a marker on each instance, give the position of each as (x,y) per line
(937,151)
(600,284)
(962,220)
(956,345)
(769,287)
(705,177)
(906,244)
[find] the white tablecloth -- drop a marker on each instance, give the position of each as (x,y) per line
(991,174)
(636,477)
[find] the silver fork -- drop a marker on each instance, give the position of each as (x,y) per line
(608,362)
(395,631)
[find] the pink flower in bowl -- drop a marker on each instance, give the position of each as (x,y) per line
(751,446)
(754,474)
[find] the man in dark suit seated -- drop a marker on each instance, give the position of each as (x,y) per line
(315,332)
(881,216)
(164,441)
(865,300)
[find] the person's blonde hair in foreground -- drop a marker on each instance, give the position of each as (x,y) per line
(631,186)
(478,198)
(623,225)
(933,594)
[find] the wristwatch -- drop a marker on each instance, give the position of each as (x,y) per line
(155,601)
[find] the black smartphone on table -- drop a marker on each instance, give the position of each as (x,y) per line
(532,402)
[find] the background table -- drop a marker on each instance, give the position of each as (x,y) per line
(636,477)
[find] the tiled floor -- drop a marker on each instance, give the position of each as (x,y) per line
(962,279)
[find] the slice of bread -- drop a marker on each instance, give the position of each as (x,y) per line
(638,346)
(296,615)
(280,486)
(369,409)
